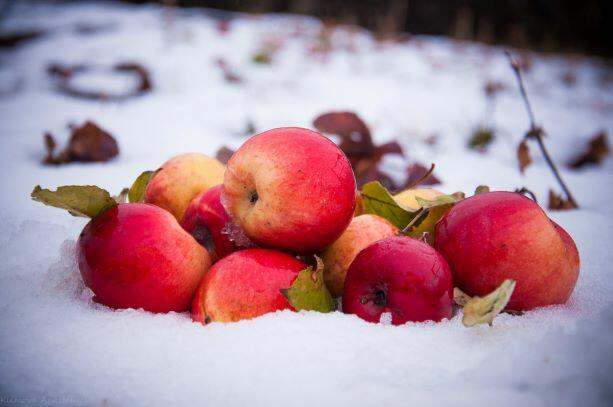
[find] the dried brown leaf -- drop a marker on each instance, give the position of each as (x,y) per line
(597,151)
(415,172)
(492,88)
(523,155)
(356,140)
(223,154)
(88,143)
(228,73)
(64,75)
(557,202)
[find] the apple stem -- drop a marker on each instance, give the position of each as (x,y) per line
(526,191)
(422,178)
(419,216)
(537,132)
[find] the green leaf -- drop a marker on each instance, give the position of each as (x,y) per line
(308,292)
(138,188)
(424,223)
(481,189)
(80,200)
(262,57)
(439,200)
(378,201)
(481,138)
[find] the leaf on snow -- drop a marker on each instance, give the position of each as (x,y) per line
(556,202)
(417,174)
(65,76)
(79,200)
(357,144)
(481,138)
(308,291)
(356,140)
(88,143)
(483,310)
(597,150)
(523,155)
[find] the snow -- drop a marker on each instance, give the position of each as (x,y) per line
(57,347)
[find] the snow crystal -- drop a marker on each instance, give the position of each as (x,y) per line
(386,318)
(57,346)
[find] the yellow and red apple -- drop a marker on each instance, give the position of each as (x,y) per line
(362,231)
(244,285)
(180,179)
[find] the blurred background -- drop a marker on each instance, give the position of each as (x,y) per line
(544,25)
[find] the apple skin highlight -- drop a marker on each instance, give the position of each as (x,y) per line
(245,285)
(400,276)
(137,256)
(291,189)
(494,236)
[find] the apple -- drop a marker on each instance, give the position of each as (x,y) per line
(137,256)
(401,276)
(407,197)
(290,188)
(494,236)
(207,220)
(244,285)
(180,179)
(362,231)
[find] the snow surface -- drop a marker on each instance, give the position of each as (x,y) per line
(57,347)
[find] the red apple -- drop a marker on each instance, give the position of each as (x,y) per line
(246,284)
(400,276)
(138,256)
(290,188)
(207,220)
(494,236)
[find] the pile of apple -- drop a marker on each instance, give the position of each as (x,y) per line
(277,228)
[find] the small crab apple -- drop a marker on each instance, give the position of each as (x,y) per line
(207,220)
(244,285)
(291,189)
(494,236)
(362,231)
(400,276)
(180,179)
(137,256)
